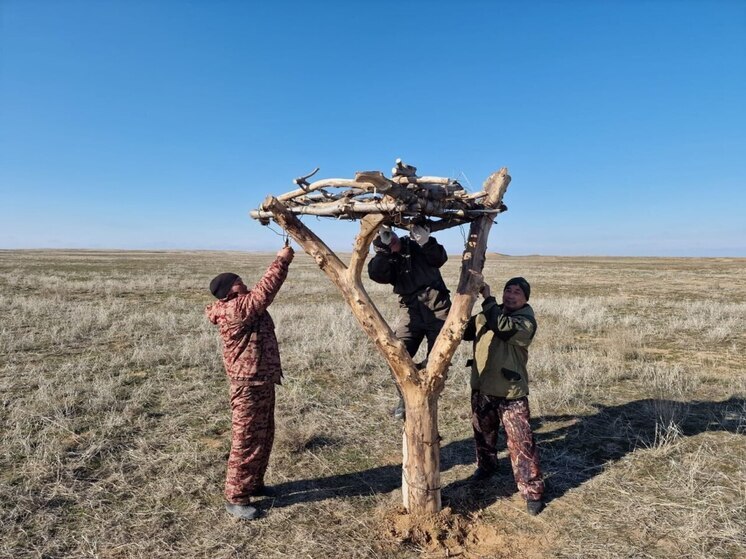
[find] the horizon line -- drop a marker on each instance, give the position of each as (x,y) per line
(268,252)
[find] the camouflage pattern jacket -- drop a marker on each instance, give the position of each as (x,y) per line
(500,349)
(250,351)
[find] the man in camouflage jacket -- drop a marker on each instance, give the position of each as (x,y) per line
(412,266)
(252,361)
(499,383)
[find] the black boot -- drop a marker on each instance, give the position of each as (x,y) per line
(534,507)
(482,474)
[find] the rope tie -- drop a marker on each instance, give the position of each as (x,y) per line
(410,485)
(431,443)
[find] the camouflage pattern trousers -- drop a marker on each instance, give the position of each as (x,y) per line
(487,412)
(252,435)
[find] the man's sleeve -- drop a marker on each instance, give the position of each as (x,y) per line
(263,293)
(435,254)
(382,269)
(517,330)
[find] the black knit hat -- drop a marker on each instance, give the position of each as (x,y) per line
(520,282)
(222,283)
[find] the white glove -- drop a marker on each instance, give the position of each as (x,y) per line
(386,235)
(420,234)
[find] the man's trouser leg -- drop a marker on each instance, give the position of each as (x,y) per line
(485,420)
(252,435)
(409,329)
(524,455)
(436,305)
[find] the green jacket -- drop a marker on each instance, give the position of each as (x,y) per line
(500,349)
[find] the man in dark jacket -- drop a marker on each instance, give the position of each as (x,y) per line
(411,265)
(252,361)
(499,383)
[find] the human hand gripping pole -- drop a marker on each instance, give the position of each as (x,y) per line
(286,253)
(382,244)
(386,235)
(485,290)
(479,283)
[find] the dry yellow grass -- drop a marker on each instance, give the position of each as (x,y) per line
(114,422)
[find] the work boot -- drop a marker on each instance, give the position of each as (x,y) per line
(482,474)
(399,411)
(534,507)
(244,512)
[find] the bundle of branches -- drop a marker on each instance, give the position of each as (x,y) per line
(403,200)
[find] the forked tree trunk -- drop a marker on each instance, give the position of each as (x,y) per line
(420,388)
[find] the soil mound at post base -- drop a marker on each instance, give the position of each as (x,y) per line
(448,534)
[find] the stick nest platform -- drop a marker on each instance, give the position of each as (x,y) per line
(404,199)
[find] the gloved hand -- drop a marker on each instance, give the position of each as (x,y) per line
(386,234)
(380,247)
(420,234)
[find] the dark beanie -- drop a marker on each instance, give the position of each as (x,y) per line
(222,283)
(522,283)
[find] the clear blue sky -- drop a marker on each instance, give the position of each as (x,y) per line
(157,124)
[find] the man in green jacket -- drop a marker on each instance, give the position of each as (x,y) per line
(499,383)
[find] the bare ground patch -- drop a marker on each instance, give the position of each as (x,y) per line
(449,534)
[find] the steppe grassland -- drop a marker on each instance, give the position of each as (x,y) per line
(115,426)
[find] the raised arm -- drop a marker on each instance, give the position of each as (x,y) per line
(435,254)
(382,268)
(263,293)
(513,329)
(470,332)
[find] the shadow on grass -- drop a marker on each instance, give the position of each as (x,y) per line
(570,455)
(382,479)
(574,454)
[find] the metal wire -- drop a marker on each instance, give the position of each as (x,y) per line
(284,235)
(463,235)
